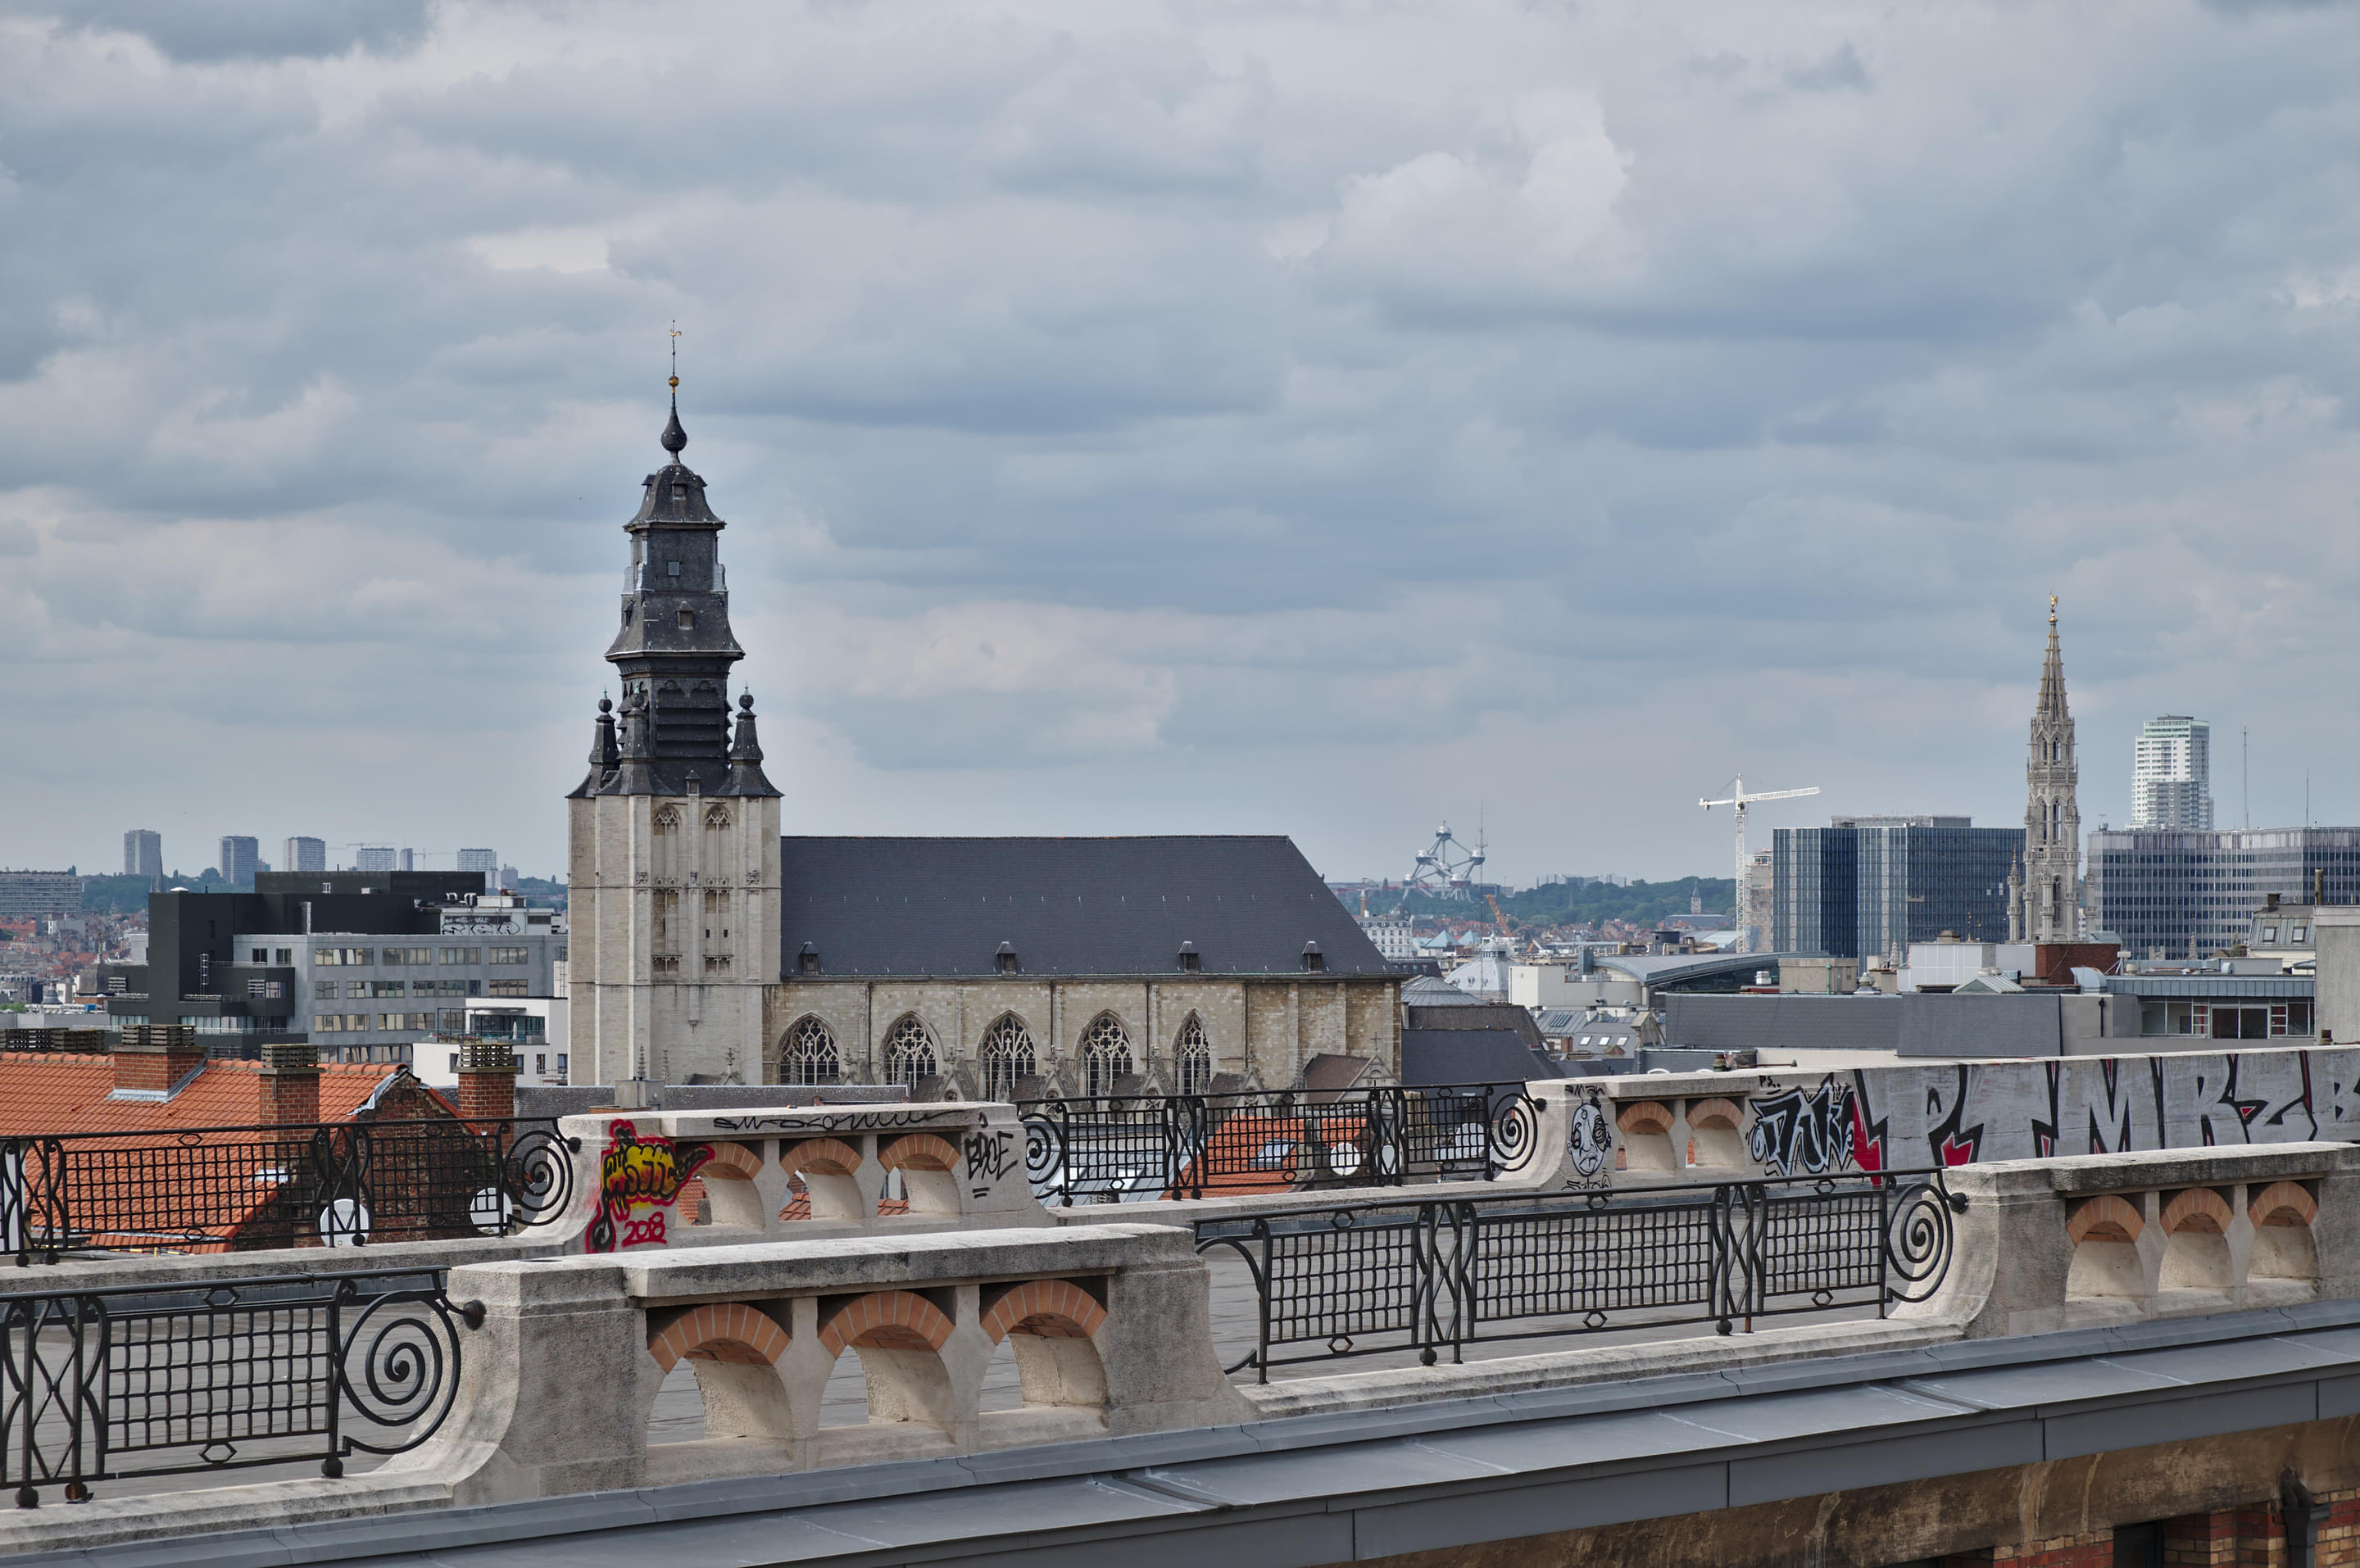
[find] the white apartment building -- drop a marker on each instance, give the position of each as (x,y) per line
(2171,774)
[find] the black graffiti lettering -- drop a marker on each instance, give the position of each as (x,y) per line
(991,1154)
(1798,1132)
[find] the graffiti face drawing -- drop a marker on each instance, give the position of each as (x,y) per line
(1588,1140)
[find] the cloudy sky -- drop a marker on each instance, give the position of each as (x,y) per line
(1311,418)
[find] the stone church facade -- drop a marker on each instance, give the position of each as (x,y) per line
(706,947)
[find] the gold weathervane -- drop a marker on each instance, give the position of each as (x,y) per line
(675,380)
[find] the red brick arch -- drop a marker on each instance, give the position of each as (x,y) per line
(886,1320)
(727,1331)
(2199,1211)
(1054,1309)
(731,1162)
(1704,1115)
(1645,1116)
(822,1156)
(2282,1203)
(919,1151)
(2105,1218)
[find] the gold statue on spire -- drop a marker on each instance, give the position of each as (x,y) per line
(2052,598)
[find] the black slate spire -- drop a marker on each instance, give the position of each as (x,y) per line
(674,648)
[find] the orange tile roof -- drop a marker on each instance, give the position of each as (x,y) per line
(46,1093)
(193,1192)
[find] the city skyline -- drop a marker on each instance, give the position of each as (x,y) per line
(1137,420)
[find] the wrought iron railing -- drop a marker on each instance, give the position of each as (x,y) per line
(131,1383)
(1117,1148)
(1387,1275)
(234,1188)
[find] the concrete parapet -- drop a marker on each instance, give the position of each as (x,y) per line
(2094,1239)
(1111,1326)
(795,1172)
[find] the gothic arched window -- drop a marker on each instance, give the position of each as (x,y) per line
(1105,1055)
(910,1052)
(810,1054)
(716,819)
(1192,1059)
(667,821)
(1006,1056)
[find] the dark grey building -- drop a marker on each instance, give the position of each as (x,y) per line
(308,955)
(2195,893)
(1868,886)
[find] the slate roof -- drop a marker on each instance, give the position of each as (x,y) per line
(1067,906)
(1471,1056)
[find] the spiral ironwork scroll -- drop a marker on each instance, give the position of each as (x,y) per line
(537,1176)
(398,1366)
(1045,1153)
(1513,1134)
(1919,1237)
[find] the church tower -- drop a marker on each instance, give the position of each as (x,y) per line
(674,836)
(2045,905)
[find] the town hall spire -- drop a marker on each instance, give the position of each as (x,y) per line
(2046,907)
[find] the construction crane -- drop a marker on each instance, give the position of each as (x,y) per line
(1740,798)
(1498,919)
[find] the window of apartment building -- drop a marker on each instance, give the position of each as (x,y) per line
(261,956)
(508,955)
(326,990)
(387,988)
(560,1064)
(285,956)
(463,955)
(405,1021)
(409,955)
(345,956)
(507,988)
(266,988)
(541,1063)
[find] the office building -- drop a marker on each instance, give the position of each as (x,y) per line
(239,854)
(508,877)
(363,962)
(305,854)
(486,861)
(1868,886)
(374,857)
(2171,774)
(29,895)
(2044,901)
(143,853)
(2184,895)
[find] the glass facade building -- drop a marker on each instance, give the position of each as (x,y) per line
(1868,886)
(2192,894)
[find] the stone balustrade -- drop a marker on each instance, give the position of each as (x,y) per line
(2091,1239)
(1108,1325)
(1109,1329)
(796,1172)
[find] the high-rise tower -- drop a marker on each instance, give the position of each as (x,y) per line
(2047,902)
(674,836)
(2171,774)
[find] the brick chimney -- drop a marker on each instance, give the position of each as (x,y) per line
(152,1058)
(290,1083)
(487,1076)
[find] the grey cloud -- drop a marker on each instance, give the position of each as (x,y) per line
(219,30)
(1345,408)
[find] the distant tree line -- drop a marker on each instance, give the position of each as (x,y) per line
(1585,903)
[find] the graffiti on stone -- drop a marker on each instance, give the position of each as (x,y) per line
(1799,1132)
(1590,1140)
(640,1182)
